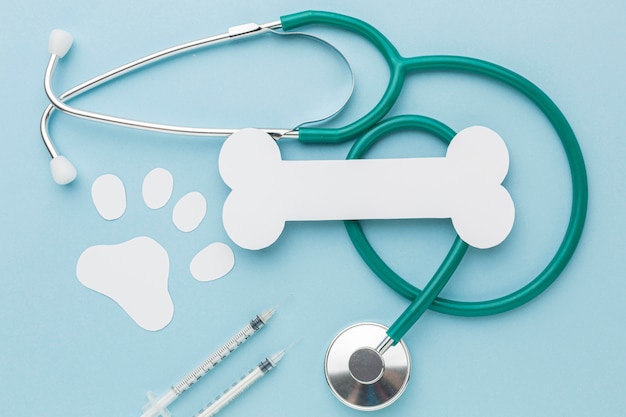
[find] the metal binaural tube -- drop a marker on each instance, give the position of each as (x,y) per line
(57,102)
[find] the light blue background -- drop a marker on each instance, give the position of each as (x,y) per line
(68,351)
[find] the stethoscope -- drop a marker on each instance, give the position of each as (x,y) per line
(367,365)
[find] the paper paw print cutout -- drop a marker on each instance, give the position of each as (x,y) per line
(135,273)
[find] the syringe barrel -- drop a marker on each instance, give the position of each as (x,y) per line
(240,386)
(226,349)
(232,393)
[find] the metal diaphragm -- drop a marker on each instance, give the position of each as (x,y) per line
(358,375)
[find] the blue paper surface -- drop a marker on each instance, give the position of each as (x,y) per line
(68,351)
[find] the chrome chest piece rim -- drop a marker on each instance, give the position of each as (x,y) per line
(358,375)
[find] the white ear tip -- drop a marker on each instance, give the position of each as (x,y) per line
(63,172)
(60,42)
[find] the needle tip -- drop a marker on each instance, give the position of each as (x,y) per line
(295,342)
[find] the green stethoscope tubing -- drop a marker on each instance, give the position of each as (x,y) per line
(399,66)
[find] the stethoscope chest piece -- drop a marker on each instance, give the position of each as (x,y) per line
(358,375)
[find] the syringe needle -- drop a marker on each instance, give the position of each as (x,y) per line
(240,386)
(157,406)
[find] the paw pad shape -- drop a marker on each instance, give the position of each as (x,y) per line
(135,272)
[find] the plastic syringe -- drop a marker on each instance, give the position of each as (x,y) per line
(157,406)
(233,392)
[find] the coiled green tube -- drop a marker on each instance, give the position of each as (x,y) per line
(399,67)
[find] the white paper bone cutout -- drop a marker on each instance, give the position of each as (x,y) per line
(465,186)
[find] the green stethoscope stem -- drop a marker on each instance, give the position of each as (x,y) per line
(445,271)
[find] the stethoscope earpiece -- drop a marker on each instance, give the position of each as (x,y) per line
(59,42)
(63,172)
